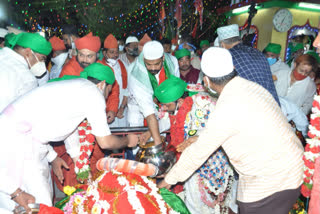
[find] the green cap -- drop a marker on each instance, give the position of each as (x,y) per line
(170,90)
(315,55)
(100,72)
(9,39)
(65,77)
(181,53)
(273,48)
(297,47)
(204,42)
(34,41)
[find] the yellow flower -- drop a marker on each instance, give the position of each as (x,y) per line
(68,190)
(96,209)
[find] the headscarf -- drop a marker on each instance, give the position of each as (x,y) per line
(181,53)
(57,44)
(65,77)
(170,90)
(110,42)
(100,72)
(204,42)
(89,42)
(144,40)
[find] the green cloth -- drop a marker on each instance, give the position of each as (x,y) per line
(34,41)
(153,79)
(100,72)
(297,47)
(273,48)
(204,42)
(315,55)
(181,53)
(170,90)
(65,77)
(9,39)
(174,201)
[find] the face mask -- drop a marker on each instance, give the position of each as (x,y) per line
(121,47)
(298,76)
(133,52)
(210,91)
(271,61)
(60,59)
(37,69)
(112,62)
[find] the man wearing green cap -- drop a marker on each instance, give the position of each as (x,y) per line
(272,53)
(22,65)
(186,116)
(187,72)
(204,45)
(295,51)
(26,130)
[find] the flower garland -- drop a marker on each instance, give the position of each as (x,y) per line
(177,122)
(86,140)
(312,149)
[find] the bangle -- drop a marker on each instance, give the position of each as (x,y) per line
(123,106)
(17,194)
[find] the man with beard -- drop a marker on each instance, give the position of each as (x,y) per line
(131,50)
(187,72)
(151,68)
(69,36)
(87,49)
(111,59)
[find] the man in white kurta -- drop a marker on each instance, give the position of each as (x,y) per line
(151,68)
(20,66)
(27,128)
(296,85)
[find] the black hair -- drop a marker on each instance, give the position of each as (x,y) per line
(95,80)
(231,40)
(165,41)
(224,79)
(70,29)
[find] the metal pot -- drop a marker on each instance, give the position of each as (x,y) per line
(34,208)
(157,155)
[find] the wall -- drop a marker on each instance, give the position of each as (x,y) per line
(267,33)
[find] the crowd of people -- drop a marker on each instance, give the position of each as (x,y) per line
(232,112)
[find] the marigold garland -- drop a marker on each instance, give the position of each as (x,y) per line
(86,139)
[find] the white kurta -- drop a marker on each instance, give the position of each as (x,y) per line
(140,100)
(27,128)
(279,66)
(15,77)
(58,64)
(123,122)
(300,93)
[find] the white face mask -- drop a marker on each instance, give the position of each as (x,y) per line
(121,47)
(60,59)
(112,62)
(37,69)
(211,91)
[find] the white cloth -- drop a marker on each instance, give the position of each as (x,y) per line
(123,57)
(152,50)
(300,93)
(43,79)
(123,122)
(58,64)
(227,32)
(140,97)
(279,66)
(27,130)
(294,113)
(15,77)
(195,61)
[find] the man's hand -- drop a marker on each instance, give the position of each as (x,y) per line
(133,140)
(163,184)
(57,165)
(182,146)
(23,199)
(144,137)
(120,112)
(110,116)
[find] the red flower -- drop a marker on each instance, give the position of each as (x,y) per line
(307,173)
(305,191)
(315,122)
(309,164)
(81,140)
(315,149)
(82,132)
(84,156)
(307,148)
(316,104)
(311,135)
(306,180)
(91,147)
(79,165)
(90,138)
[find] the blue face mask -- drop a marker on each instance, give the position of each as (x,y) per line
(271,61)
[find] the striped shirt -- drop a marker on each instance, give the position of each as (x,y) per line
(248,123)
